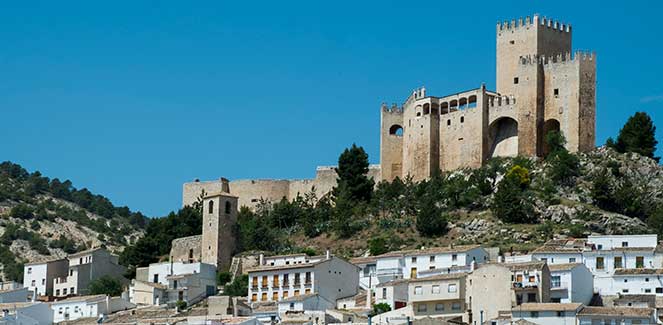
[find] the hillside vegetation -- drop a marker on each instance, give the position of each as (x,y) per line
(42,218)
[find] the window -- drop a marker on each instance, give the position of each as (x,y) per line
(599,263)
(439,307)
(659,290)
(647,290)
(454,257)
(624,244)
(155,278)
(435,289)
(285,280)
(519,278)
(532,278)
(618,262)
(60,310)
(418,290)
(275,281)
(71,290)
(64,291)
(210,207)
(452,288)
(544,260)
(190,255)
(296,293)
(57,292)
(275,296)
(555,281)
(308,278)
(71,272)
(625,290)
(421,308)
(448,122)
(264,281)
(285,294)
(254,282)
(297,282)
(515,80)
(413,273)
(175,284)
(646,279)
(263,296)
(307,291)
(414,260)
(432,259)
(384,293)
(531,297)
(599,247)
(572,259)
(462,119)
(512,42)
(43,281)
(556,92)
(455,306)
(29,270)
(639,262)
(534,314)
(32,284)
(292,305)
(228,207)
(432,267)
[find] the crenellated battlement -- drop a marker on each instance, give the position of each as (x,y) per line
(394,109)
(519,23)
(567,57)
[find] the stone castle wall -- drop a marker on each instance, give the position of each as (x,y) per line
(250,192)
(183,248)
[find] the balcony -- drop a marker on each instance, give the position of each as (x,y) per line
(559,285)
(525,285)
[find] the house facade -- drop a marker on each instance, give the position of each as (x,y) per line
(571,283)
(38,277)
(331,278)
(169,282)
(85,267)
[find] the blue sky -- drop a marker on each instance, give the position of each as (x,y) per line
(132,99)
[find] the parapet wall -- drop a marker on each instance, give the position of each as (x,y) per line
(251,192)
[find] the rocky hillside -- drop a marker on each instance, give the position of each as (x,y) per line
(42,218)
(610,193)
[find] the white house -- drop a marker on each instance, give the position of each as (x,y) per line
(87,307)
(331,278)
(394,293)
(305,308)
(26,313)
(634,282)
(571,282)
(38,276)
(168,282)
(418,263)
(547,313)
(85,267)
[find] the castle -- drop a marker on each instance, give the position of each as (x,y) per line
(542,86)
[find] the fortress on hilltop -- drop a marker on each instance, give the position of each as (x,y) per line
(542,86)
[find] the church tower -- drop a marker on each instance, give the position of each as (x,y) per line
(219,219)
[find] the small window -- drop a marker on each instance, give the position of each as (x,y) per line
(646,279)
(512,42)
(455,306)
(448,122)
(515,80)
(599,263)
(436,289)
(439,307)
(414,260)
(418,290)
(432,258)
(647,290)
(624,243)
(384,293)
(418,113)
(228,207)
(556,92)
(454,257)
(572,259)
(659,290)
(625,290)
(210,207)
(452,288)
(421,308)
(462,119)
(29,270)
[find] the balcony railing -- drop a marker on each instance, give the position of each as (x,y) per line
(525,285)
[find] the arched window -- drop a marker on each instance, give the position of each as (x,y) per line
(396,130)
(210,207)
(444,108)
(462,103)
(426,109)
(472,101)
(462,119)
(228,207)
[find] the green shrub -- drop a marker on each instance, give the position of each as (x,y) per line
(238,288)
(223,277)
(106,285)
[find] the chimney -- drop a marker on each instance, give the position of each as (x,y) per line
(261,260)
(327,254)
(225,185)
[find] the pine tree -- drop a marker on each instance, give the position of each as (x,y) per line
(352,175)
(638,135)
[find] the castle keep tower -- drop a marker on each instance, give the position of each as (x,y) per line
(542,86)
(219,219)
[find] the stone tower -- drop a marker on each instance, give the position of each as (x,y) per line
(391,142)
(219,219)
